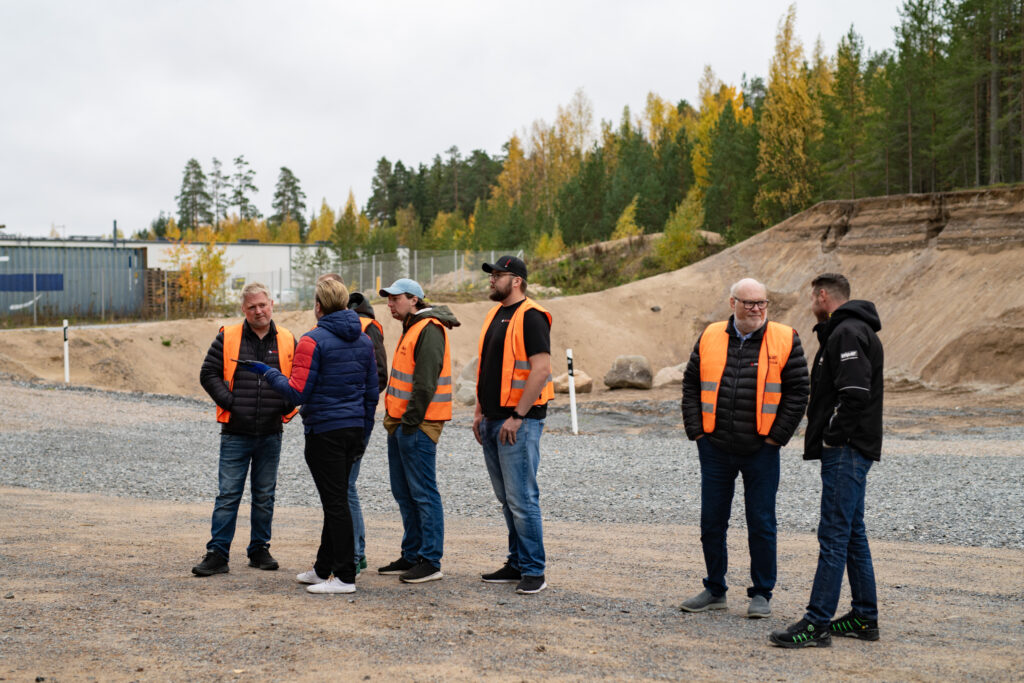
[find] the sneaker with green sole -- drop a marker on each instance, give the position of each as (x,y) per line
(853,625)
(802,634)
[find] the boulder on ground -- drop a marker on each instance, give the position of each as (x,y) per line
(469,372)
(671,376)
(629,372)
(584,383)
(465,392)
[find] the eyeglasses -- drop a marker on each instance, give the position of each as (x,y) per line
(751,305)
(495,276)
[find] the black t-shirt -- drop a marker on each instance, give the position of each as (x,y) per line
(537,337)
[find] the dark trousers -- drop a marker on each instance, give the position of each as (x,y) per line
(330,456)
(718,472)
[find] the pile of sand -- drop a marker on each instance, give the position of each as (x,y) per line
(942,270)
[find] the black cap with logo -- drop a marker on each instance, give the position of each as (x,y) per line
(507,264)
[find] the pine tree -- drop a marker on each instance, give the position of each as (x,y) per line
(242,187)
(218,193)
(289,200)
(193,199)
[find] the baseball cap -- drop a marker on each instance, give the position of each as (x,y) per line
(404,286)
(507,264)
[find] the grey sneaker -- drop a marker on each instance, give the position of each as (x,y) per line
(759,608)
(704,601)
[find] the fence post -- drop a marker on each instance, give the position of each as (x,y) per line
(34,295)
(572,392)
(103,295)
(415,265)
(167,305)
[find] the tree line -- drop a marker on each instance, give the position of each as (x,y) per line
(942,109)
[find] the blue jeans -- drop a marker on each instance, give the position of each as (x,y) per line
(513,471)
(718,472)
(237,453)
(356,510)
(412,463)
(842,537)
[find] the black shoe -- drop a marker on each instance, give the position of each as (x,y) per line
(397,567)
(507,574)
(213,563)
(421,573)
(802,634)
(531,584)
(262,559)
(853,625)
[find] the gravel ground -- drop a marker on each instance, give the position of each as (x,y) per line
(631,464)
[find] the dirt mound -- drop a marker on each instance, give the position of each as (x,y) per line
(942,269)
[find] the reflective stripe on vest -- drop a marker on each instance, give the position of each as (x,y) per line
(366,322)
(776,346)
(515,366)
(403,365)
(232,345)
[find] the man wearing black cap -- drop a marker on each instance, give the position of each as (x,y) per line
(513,389)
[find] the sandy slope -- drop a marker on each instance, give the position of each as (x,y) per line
(942,270)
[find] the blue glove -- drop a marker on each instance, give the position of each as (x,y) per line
(259,368)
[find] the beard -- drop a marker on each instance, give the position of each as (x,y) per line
(501,290)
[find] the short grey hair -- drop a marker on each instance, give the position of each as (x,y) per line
(745,281)
(254,288)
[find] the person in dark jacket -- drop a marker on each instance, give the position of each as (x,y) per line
(373,329)
(417,404)
(844,431)
(744,393)
(335,380)
(251,415)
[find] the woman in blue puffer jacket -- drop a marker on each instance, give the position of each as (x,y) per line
(334,379)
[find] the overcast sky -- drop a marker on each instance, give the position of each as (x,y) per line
(102,103)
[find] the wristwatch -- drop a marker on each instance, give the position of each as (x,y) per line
(518,416)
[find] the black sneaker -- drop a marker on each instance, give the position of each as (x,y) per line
(421,573)
(507,574)
(853,625)
(213,563)
(531,584)
(262,559)
(397,567)
(802,634)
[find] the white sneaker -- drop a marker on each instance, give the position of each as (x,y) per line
(332,585)
(309,577)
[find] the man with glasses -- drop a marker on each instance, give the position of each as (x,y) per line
(744,392)
(513,390)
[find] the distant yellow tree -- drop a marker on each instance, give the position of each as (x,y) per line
(321,227)
(173,232)
(201,272)
(626,225)
(680,243)
(549,247)
(789,126)
(407,227)
(713,96)
(289,231)
(660,118)
(513,173)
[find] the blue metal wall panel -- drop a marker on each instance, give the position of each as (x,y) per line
(62,281)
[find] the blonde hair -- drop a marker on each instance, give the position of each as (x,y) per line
(330,276)
(254,288)
(332,295)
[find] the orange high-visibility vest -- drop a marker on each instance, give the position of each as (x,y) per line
(403,365)
(515,365)
(232,344)
(366,322)
(714,350)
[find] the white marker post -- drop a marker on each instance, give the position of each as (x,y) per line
(572,392)
(67,366)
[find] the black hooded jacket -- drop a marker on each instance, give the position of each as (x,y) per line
(736,413)
(846,383)
(358,303)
